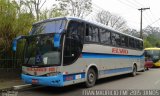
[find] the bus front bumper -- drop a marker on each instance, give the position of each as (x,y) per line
(56,81)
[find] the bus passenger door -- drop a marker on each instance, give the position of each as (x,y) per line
(73,42)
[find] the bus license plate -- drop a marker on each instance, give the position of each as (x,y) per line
(34,81)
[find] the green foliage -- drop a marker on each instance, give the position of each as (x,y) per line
(147,44)
(151,41)
(7,22)
(151,37)
(12,24)
(17,17)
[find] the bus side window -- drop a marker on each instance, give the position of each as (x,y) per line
(141,45)
(105,36)
(118,40)
(87,35)
(115,39)
(124,41)
(81,31)
(95,34)
(91,33)
(131,43)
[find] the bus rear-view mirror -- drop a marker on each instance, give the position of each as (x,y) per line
(57,40)
(14,43)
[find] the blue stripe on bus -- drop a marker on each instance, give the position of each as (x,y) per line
(117,70)
(70,77)
(73,76)
(99,55)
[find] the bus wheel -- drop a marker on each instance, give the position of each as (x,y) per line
(91,78)
(144,69)
(134,71)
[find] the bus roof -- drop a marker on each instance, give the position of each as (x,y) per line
(90,22)
(152,48)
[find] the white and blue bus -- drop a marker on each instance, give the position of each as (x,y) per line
(65,51)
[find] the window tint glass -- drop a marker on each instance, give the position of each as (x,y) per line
(124,41)
(131,43)
(116,41)
(141,45)
(92,33)
(72,29)
(55,26)
(95,34)
(137,44)
(76,30)
(105,36)
(40,50)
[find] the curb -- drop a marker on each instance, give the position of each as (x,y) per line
(20,87)
(6,89)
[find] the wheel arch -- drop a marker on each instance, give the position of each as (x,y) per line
(134,64)
(95,68)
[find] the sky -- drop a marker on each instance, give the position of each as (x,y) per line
(128,9)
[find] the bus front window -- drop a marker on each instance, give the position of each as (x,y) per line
(156,55)
(55,26)
(152,54)
(40,50)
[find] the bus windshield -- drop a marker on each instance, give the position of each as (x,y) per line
(41,50)
(154,55)
(55,26)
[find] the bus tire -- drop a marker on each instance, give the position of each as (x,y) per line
(144,69)
(91,78)
(134,71)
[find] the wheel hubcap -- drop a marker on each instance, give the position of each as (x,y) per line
(91,77)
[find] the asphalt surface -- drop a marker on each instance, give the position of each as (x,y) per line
(143,80)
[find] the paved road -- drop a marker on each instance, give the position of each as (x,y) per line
(144,80)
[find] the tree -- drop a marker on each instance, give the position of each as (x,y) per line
(76,8)
(152,35)
(149,30)
(13,22)
(147,43)
(57,12)
(7,20)
(106,18)
(34,6)
(53,12)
